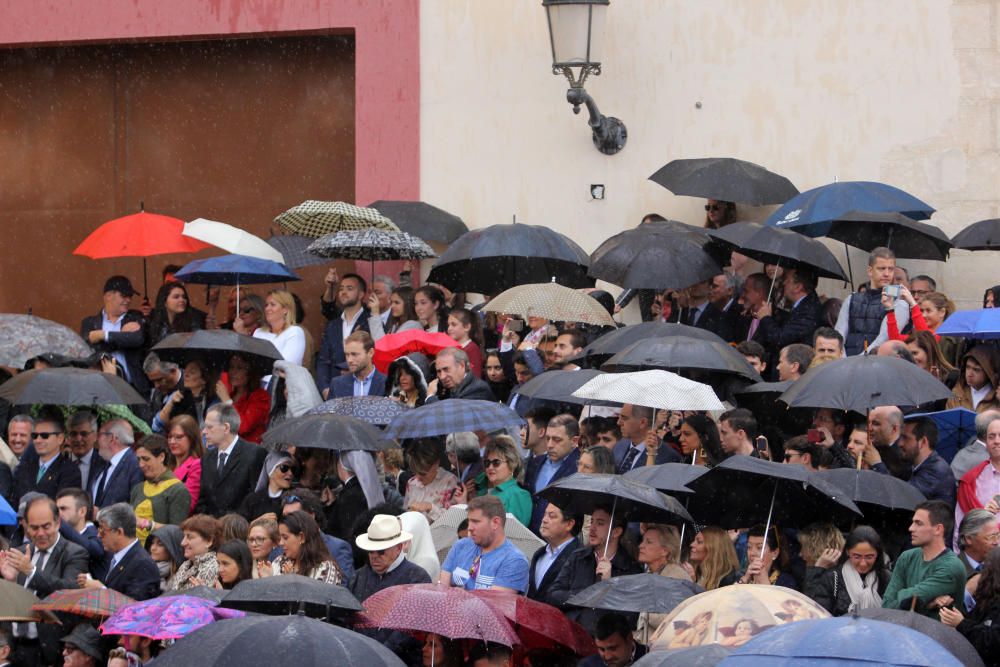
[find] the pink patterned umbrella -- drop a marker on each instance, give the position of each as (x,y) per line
(166,617)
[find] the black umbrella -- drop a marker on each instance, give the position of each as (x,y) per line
(215,347)
(725,179)
(982,235)
(679,354)
(884,500)
(906,237)
(560,385)
(762,396)
(327,431)
(656,255)
(69,386)
(744,491)
(275,640)
(422,220)
(288,593)
(499,257)
(637,592)
(293,248)
(863,382)
(615,341)
(667,477)
(945,635)
(783,247)
(706,655)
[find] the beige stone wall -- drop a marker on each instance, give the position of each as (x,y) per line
(904,91)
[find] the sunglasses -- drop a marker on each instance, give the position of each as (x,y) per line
(284,467)
(493,463)
(714,207)
(42,435)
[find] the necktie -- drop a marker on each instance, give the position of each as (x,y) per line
(633,453)
(754,323)
(99,496)
(222,460)
(40,561)
(41,473)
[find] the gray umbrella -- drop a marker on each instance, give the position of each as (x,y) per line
(946,636)
(615,341)
(646,592)
(287,593)
(680,353)
(26,337)
(371,244)
(69,386)
(215,347)
(293,248)
(422,220)
(783,247)
(708,655)
(327,431)
(982,235)
(725,179)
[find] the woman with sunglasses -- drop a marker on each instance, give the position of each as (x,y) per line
(502,464)
(276,477)
(719,213)
(251,313)
(854,581)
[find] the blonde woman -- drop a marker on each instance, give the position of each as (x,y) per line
(659,553)
(713,559)
(280,326)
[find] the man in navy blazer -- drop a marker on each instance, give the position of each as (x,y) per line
(130,569)
(353,317)
(562,436)
(364,379)
(636,422)
(230,467)
(559,530)
(118,331)
(114,484)
(45,470)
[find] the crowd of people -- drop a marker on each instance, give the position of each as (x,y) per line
(184,495)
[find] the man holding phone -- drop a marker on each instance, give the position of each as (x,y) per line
(862,316)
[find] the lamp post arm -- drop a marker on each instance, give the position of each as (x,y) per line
(609,133)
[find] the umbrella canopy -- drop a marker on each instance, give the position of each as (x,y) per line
(646,592)
(725,179)
(736,492)
(17,604)
(654,389)
(678,353)
(982,235)
(26,337)
(390,347)
(371,244)
(560,385)
(141,234)
(231,239)
(708,655)
(68,386)
(827,203)
(422,220)
(761,398)
(613,342)
(444,532)
(452,416)
(945,635)
(235,270)
(166,617)
(375,410)
(293,249)
(326,431)
(713,617)
(981,324)
(215,347)
(863,382)
(956,427)
(286,593)
(8,517)
(667,477)
(906,237)
(883,499)
(846,640)
(552,302)
(316,218)
(539,626)
(275,640)
(89,602)
(656,255)
(783,247)
(451,612)
(499,257)
(581,493)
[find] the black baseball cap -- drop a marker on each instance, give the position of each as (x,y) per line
(119,284)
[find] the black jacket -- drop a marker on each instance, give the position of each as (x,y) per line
(984,638)
(259,502)
(220,495)
(341,515)
(580,571)
(470,387)
(534,467)
(136,575)
(539,590)
(131,344)
(827,588)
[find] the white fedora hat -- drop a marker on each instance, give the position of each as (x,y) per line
(385,531)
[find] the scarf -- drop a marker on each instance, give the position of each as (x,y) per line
(863,594)
(967,498)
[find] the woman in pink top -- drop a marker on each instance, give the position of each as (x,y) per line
(184,442)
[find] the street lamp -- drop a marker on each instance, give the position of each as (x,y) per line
(576,33)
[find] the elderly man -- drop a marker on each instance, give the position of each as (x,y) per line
(975,452)
(82,647)
(82,432)
(486,558)
(118,331)
(978,535)
(364,379)
(230,467)
(884,426)
(130,569)
(465,457)
(455,380)
(165,377)
(979,487)
(562,436)
(752,297)
(894,348)
(862,316)
(114,485)
(381,293)
(49,471)
(931,474)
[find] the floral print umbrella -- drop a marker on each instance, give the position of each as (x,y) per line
(166,617)
(27,337)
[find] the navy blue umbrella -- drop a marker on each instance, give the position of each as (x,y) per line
(235,270)
(955,428)
(983,324)
(845,640)
(452,415)
(8,517)
(814,211)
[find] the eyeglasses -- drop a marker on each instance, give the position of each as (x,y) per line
(493,463)
(867,558)
(42,435)
(79,434)
(256,540)
(713,207)
(284,467)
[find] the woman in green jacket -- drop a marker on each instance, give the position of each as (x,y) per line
(162,498)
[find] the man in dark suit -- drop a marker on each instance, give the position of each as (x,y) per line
(74,525)
(352,316)
(562,437)
(230,467)
(775,331)
(636,424)
(454,380)
(702,313)
(82,431)
(130,569)
(559,531)
(47,564)
(364,379)
(724,294)
(118,331)
(977,537)
(48,471)
(114,484)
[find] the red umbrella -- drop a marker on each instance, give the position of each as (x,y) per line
(138,235)
(390,347)
(454,613)
(540,626)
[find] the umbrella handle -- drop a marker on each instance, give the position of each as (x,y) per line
(773,280)
(607,540)
(767,526)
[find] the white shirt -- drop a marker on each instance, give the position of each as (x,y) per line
(979,394)
(227,450)
(85,462)
(347,326)
(108,326)
(291,343)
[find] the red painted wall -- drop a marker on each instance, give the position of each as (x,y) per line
(387,69)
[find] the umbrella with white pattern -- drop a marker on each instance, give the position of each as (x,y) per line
(316,218)
(231,239)
(551,301)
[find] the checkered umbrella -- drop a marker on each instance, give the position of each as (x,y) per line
(316,218)
(371,244)
(293,248)
(89,602)
(452,416)
(376,410)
